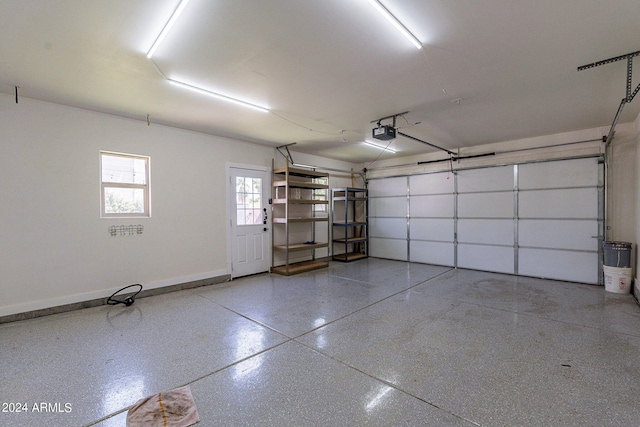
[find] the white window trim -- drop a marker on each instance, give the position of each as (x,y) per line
(144,187)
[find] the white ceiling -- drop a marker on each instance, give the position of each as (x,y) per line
(327,68)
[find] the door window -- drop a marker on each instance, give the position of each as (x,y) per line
(248,200)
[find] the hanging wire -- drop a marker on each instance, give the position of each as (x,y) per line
(379,155)
(305,127)
(409,124)
(433,77)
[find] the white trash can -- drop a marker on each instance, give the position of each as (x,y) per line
(617,280)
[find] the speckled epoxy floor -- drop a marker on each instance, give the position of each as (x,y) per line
(375,342)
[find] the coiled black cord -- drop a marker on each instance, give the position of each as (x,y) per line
(128,300)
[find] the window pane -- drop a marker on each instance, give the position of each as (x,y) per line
(256,217)
(254,200)
(123,200)
(126,170)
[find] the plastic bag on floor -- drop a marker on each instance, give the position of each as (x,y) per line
(174,408)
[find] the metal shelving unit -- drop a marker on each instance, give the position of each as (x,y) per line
(349,212)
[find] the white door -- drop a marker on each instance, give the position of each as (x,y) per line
(249,235)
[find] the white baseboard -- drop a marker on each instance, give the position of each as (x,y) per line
(104,293)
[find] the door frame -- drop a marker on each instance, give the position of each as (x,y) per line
(230,190)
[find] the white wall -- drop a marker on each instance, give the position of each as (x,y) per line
(636,130)
(623,185)
(55,247)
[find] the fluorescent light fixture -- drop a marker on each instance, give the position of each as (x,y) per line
(380,147)
(219,96)
(301,165)
(405,32)
(167,27)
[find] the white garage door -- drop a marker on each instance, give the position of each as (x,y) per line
(536,219)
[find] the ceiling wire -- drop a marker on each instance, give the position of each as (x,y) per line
(305,127)
(435,79)
(409,124)
(377,158)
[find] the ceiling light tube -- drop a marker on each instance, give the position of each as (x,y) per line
(219,96)
(380,147)
(302,165)
(167,27)
(396,23)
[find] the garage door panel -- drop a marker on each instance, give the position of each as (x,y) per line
(432,229)
(578,203)
(439,206)
(487,179)
(388,227)
(434,183)
(487,258)
(559,234)
(491,231)
(558,264)
(485,205)
(388,206)
(388,248)
(432,252)
(387,187)
(568,173)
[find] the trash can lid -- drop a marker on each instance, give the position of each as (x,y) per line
(617,244)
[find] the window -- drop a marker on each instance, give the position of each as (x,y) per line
(125,185)
(248,200)
(320,194)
